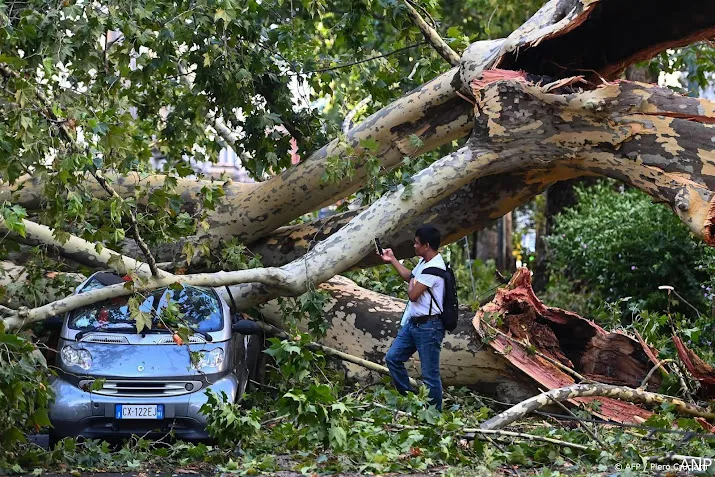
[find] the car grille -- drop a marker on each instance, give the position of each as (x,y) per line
(170,340)
(107,339)
(131,388)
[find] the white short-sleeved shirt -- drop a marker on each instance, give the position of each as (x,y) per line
(421,307)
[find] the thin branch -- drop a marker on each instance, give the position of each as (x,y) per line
(425,12)
(333,352)
(653,369)
(348,121)
(625,425)
(218,124)
(588,430)
(470,434)
(75,246)
(377,57)
(431,35)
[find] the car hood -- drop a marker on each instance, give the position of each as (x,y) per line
(135,361)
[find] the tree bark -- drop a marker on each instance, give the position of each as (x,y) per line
(364,323)
(471,208)
(556,42)
(78,250)
(627,131)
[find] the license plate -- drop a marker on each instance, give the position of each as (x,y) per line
(139,411)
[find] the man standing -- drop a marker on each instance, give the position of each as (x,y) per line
(421,328)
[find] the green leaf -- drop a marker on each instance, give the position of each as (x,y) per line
(222,14)
(338,436)
(98,384)
(40,418)
(370,144)
(143,319)
(13,218)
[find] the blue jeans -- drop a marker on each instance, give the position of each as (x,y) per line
(426,339)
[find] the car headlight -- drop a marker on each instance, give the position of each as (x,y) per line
(76,357)
(210,359)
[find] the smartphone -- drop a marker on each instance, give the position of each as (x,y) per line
(378,247)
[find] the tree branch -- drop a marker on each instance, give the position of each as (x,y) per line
(101,180)
(348,121)
(437,115)
(82,251)
(471,433)
(273,277)
(334,352)
(431,35)
(587,390)
(218,124)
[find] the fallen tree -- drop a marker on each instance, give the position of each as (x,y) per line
(541,107)
(551,44)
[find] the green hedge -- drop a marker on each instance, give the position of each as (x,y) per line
(615,244)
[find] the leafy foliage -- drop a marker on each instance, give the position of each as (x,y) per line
(695,62)
(37,286)
(227,423)
(24,392)
(114,99)
(619,244)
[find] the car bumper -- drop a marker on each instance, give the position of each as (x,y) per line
(79,413)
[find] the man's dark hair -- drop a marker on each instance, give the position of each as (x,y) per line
(428,234)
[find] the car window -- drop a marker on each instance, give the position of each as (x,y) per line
(201,309)
(108,314)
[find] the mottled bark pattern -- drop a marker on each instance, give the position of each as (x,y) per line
(364,323)
(554,346)
(648,137)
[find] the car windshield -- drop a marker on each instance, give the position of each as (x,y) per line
(201,309)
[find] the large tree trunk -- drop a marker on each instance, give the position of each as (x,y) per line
(363,323)
(471,208)
(627,131)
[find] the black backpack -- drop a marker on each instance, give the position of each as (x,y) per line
(450,313)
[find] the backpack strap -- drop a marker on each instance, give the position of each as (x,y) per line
(429,290)
(433,299)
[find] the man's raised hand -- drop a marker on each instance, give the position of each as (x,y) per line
(387,255)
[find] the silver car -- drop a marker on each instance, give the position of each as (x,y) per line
(151,384)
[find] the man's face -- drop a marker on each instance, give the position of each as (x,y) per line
(420,248)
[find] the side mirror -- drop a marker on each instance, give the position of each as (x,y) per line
(246,327)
